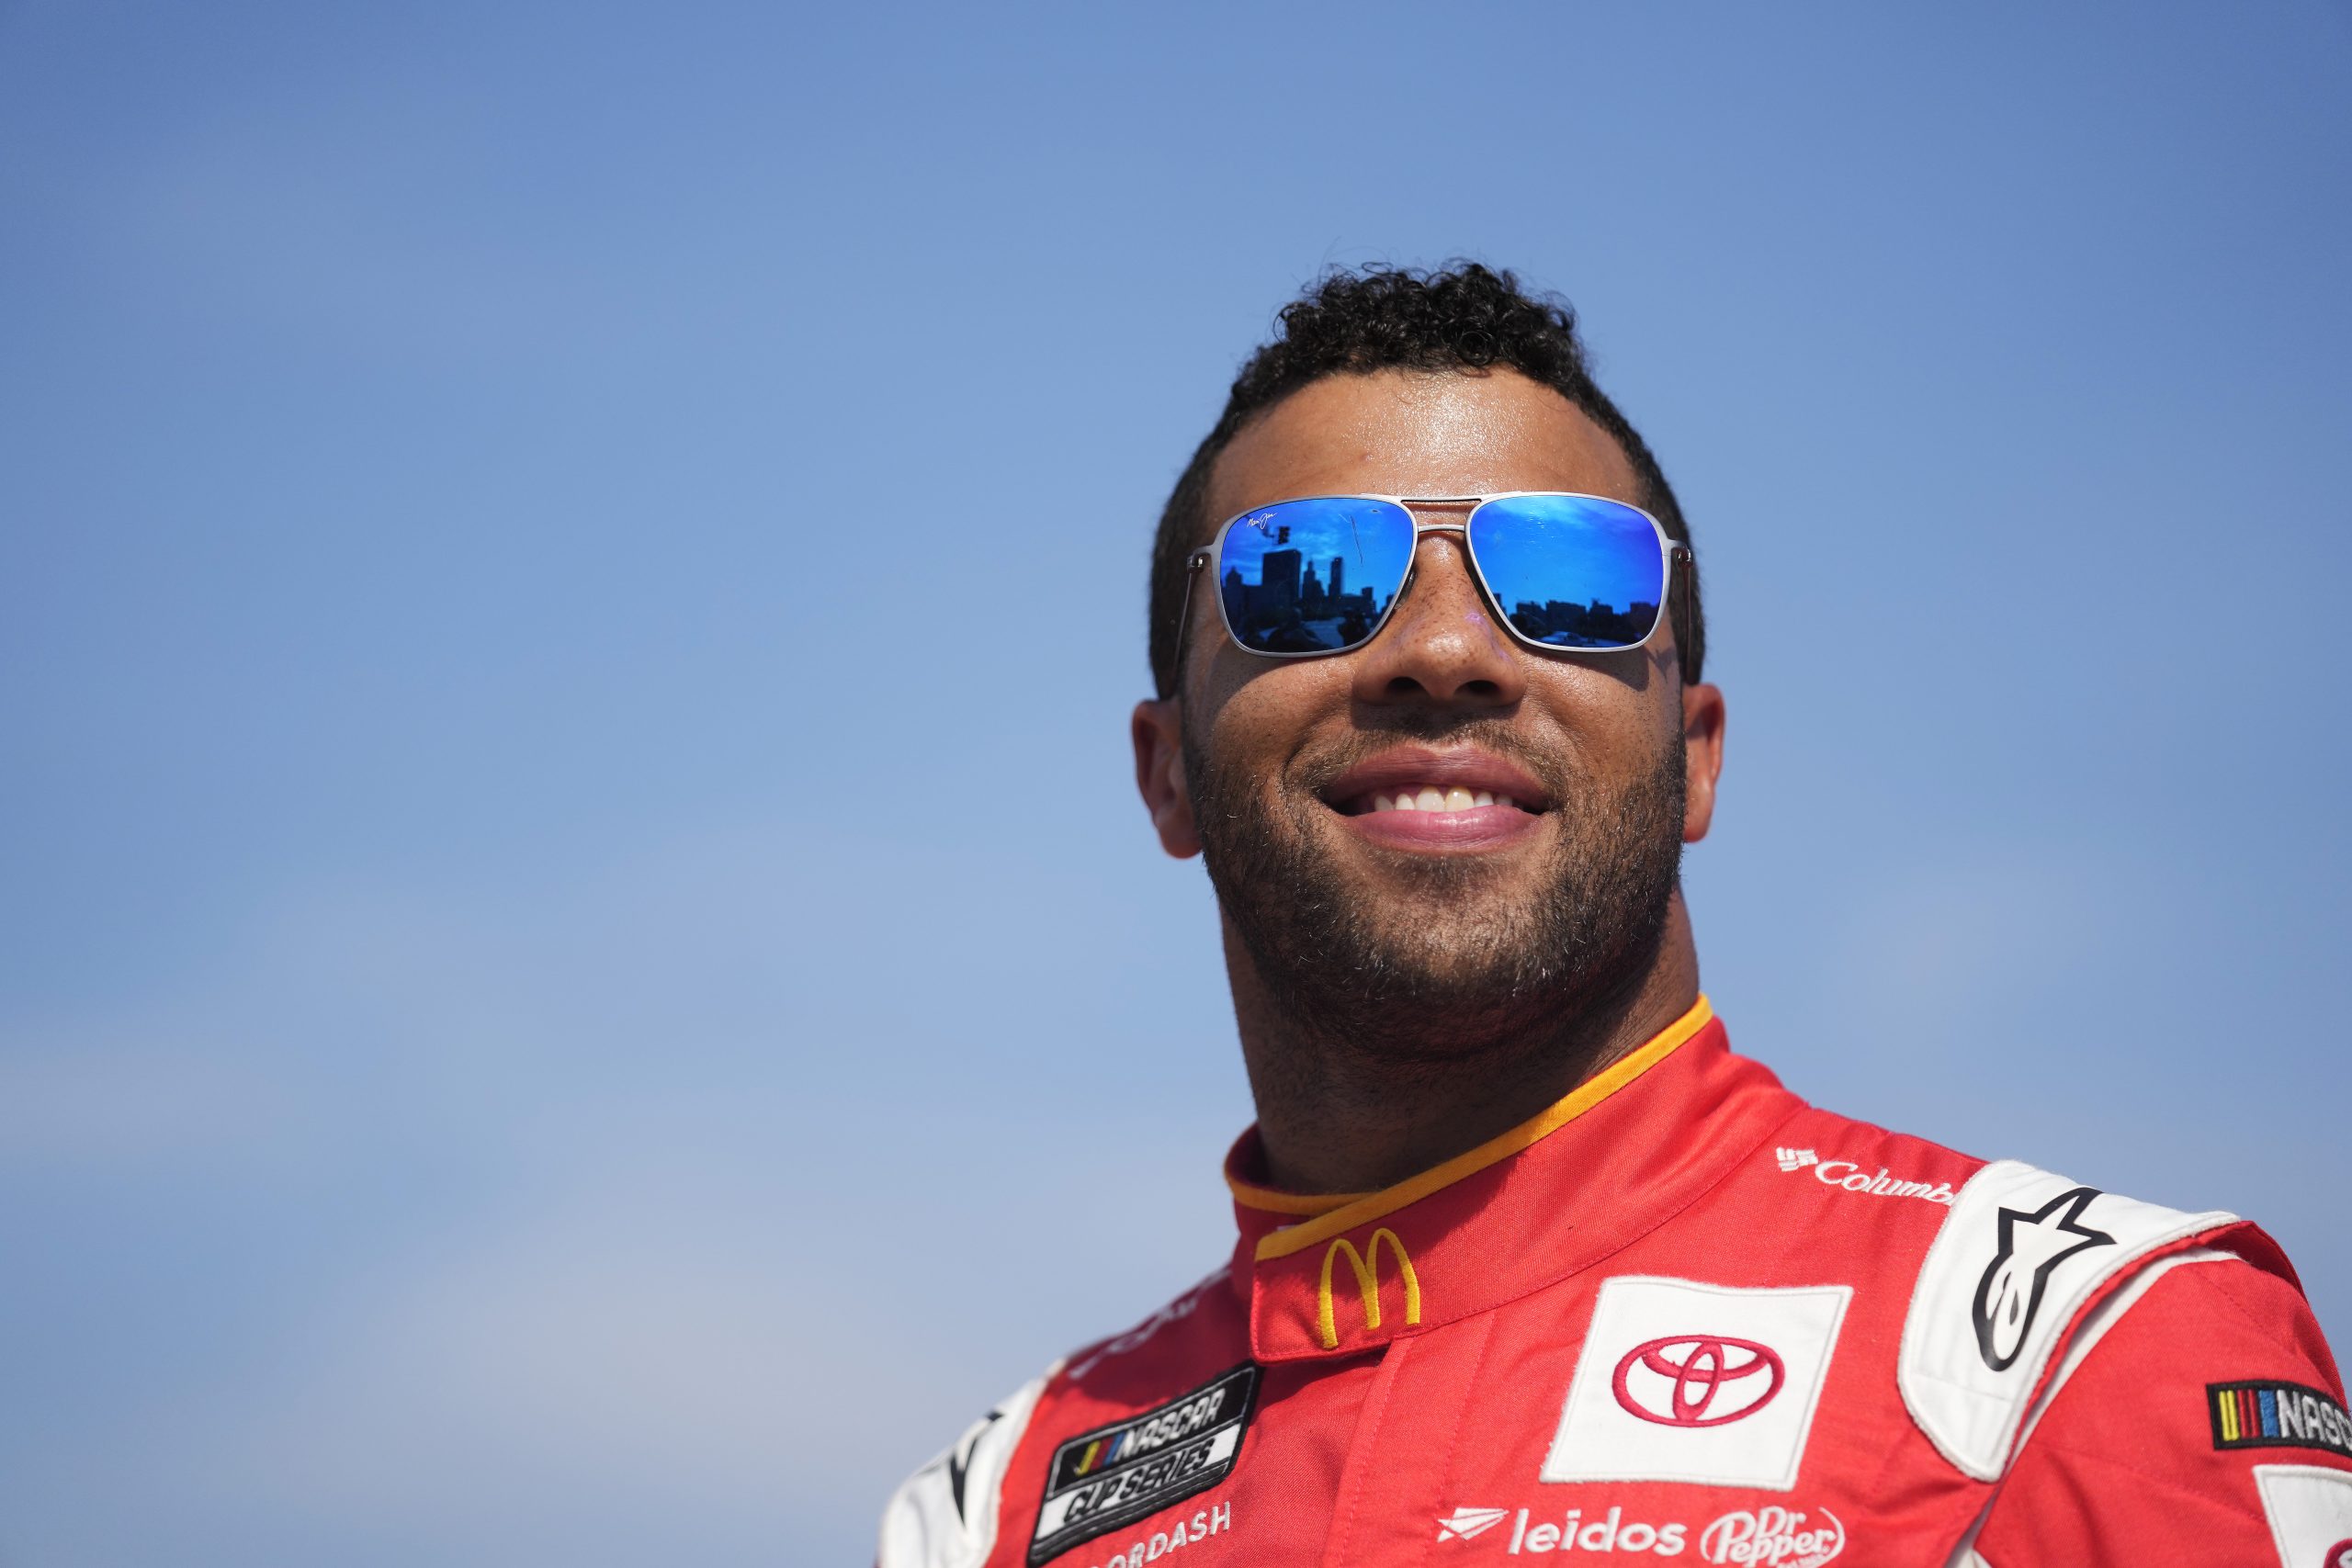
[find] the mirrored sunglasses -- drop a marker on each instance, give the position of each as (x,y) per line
(1321,574)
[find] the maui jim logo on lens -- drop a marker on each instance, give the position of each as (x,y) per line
(1695,1381)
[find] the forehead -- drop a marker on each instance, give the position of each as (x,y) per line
(1414,432)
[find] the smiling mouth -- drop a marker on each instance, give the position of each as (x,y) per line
(1430,797)
(1441,799)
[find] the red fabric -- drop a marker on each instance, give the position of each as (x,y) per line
(1356,1453)
(2122,1468)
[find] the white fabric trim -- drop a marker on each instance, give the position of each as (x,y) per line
(944,1515)
(2014,1260)
(2309,1510)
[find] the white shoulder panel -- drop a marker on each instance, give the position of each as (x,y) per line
(944,1516)
(2310,1510)
(2019,1255)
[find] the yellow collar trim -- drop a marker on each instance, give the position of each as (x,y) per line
(1250,1195)
(1331,1215)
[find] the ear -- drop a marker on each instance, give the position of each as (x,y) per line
(1158,731)
(1702,755)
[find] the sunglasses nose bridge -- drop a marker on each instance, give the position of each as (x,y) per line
(1457,534)
(1443,642)
(1445,578)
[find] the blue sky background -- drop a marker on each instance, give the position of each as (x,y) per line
(547,1018)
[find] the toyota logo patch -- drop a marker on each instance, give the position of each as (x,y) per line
(1695,1380)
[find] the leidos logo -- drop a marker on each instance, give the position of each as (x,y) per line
(1573,1532)
(1464,1523)
(1367,1273)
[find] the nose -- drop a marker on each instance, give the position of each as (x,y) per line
(1441,645)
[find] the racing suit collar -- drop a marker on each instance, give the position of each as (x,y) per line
(1342,1274)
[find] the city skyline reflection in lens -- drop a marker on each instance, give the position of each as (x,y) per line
(1312,576)
(1571,570)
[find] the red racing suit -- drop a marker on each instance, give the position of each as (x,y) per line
(1681,1314)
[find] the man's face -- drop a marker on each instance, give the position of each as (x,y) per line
(1488,916)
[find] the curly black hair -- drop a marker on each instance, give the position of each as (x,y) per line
(1461,317)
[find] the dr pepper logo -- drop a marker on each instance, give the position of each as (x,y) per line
(1696,1380)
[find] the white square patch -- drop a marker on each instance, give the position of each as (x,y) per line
(1683,1382)
(2310,1508)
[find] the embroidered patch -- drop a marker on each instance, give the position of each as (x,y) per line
(1726,1400)
(1114,1476)
(2277,1415)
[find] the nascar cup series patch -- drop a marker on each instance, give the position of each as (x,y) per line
(1114,1476)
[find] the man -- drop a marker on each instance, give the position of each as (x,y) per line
(1528,1262)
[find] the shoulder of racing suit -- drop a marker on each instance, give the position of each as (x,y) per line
(944,1515)
(2028,1272)
(2025,1274)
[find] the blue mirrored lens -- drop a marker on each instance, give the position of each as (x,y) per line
(1312,576)
(1571,570)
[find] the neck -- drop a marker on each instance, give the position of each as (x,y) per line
(1336,1120)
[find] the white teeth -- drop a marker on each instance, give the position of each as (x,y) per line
(1430,797)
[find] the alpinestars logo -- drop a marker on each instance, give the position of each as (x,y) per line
(1464,1523)
(959,1463)
(2031,1247)
(1796,1159)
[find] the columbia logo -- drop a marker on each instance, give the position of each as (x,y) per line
(1796,1159)
(1467,1522)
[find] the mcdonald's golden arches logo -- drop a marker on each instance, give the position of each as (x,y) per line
(1367,1273)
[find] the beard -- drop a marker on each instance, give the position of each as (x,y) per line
(1444,957)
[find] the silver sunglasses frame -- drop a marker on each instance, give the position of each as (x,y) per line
(1673,551)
